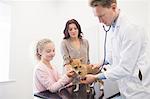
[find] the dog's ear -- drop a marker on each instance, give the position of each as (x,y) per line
(71,60)
(81,59)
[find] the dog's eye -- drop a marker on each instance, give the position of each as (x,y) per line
(75,67)
(79,66)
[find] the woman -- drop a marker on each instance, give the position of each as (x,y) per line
(73,45)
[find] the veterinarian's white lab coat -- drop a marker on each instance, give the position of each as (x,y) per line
(130,53)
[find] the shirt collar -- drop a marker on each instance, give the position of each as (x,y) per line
(114,23)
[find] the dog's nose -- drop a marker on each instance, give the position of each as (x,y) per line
(79,72)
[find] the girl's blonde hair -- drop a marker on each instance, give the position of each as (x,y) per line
(40,45)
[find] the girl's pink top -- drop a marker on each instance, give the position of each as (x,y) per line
(48,79)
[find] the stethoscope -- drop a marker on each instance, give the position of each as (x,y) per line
(106,31)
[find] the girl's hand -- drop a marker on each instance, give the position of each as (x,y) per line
(71,73)
(68,67)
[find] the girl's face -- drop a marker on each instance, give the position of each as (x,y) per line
(73,31)
(48,52)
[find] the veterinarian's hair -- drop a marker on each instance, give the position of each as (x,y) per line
(103,3)
(72,21)
(40,45)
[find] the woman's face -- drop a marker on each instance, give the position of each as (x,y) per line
(73,31)
(48,52)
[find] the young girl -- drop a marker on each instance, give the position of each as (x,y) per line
(46,76)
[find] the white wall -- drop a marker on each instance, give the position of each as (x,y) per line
(148,16)
(5,29)
(33,20)
(137,10)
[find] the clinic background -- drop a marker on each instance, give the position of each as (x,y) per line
(32,20)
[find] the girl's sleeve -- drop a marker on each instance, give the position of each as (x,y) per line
(47,81)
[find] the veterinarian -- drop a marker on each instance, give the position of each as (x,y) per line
(130,52)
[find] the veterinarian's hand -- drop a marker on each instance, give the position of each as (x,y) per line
(96,66)
(71,73)
(89,79)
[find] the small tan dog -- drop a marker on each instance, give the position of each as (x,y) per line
(82,70)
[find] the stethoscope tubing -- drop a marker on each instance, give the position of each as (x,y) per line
(105,41)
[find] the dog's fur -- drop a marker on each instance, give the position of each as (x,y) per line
(82,70)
